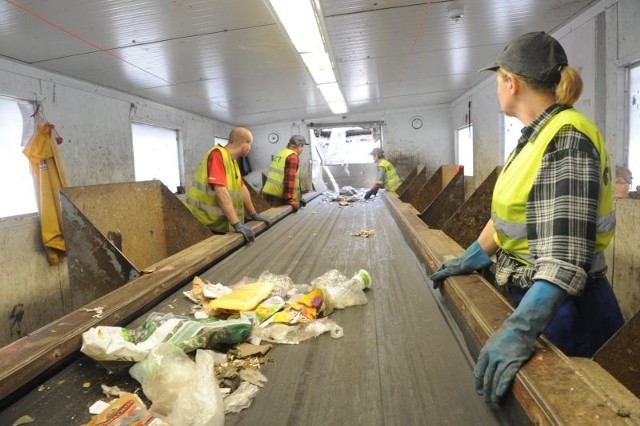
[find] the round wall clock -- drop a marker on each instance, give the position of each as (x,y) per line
(274,137)
(416,122)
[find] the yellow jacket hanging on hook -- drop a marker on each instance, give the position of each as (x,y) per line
(49,176)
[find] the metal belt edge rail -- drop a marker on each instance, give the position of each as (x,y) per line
(550,389)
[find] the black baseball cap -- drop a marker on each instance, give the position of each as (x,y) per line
(536,55)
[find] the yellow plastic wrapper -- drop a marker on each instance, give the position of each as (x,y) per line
(304,309)
(246,298)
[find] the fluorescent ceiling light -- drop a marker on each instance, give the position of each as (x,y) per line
(333,96)
(320,67)
(338,107)
(299,20)
(303,27)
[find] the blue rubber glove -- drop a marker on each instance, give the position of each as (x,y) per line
(474,258)
(246,232)
(259,217)
(513,343)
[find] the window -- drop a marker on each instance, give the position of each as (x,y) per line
(349,144)
(512,132)
(464,149)
(156,155)
(18,192)
(633,158)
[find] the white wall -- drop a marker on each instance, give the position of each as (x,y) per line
(602,98)
(95,123)
(405,146)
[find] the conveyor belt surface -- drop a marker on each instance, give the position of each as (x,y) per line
(398,363)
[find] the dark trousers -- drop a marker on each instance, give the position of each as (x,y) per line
(583,323)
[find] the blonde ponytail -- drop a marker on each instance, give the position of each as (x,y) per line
(569,89)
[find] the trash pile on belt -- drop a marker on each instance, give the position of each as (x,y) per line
(345,196)
(199,392)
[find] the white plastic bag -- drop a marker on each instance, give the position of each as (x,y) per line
(182,392)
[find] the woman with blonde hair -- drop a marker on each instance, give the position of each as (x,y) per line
(552,216)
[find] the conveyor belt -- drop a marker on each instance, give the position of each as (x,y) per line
(399,362)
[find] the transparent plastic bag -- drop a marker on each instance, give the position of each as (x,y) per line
(281,283)
(340,292)
(182,392)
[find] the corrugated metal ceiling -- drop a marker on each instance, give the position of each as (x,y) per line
(230,59)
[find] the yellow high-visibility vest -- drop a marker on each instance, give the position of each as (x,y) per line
(202,200)
(510,194)
(275,177)
(392,180)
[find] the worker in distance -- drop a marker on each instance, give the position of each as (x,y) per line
(386,177)
(282,186)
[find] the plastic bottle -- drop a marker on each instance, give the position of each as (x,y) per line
(363,278)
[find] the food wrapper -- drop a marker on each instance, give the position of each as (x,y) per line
(303,310)
(128,409)
(245,298)
(269,307)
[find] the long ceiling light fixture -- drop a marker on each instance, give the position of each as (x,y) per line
(302,24)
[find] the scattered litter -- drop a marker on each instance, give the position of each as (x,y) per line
(245,350)
(111,390)
(23,420)
(363,233)
(294,334)
(241,398)
(98,311)
(106,343)
(86,385)
(128,409)
(304,309)
(98,407)
(181,390)
(244,298)
(271,309)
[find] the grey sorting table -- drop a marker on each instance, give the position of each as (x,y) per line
(399,362)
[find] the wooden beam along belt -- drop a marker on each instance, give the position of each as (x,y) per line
(551,388)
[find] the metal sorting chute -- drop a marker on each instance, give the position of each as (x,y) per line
(113,232)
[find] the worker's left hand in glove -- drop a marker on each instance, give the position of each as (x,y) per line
(246,232)
(259,217)
(370,193)
(513,343)
(474,258)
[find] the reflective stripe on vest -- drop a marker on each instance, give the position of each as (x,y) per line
(392,180)
(201,198)
(511,191)
(275,177)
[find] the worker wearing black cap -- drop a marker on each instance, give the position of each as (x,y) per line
(551,219)
(283,182)
(387,176)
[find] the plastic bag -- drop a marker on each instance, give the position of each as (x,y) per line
(294,334)
(281,283)
(105,343)
(182,392)
(340,291)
